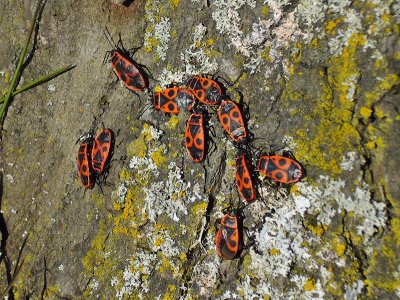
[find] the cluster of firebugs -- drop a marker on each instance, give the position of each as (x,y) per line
(94,154)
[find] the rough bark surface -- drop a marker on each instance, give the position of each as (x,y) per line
(319,78)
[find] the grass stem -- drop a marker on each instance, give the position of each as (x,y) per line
(14,80)
(39,81)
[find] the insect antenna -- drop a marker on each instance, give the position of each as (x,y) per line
(144,109)
(110,39)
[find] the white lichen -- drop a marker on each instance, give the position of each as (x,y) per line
(311,12)
(228,21)
(141,264)
(51,88)
(300,292)
(329,199)
(354,290)
(349,160)
(162,241)
(162,35)
(170,197)
(144,166)
(279,242)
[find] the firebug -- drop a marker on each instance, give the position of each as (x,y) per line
(243,179)
(206,90)
(228,237)
(231,119)
(85,170)
(127,70)
(165,100)
(280,168)
(102,150)
(194,137)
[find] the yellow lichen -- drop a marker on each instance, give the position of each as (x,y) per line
(291,69)
(158,157)
(331,25)
(379,90)
(318,229)
(329,131)
(315,42)
(310,285)
(345,67)
(124,174)
(365,112)
(274,252)
(174,3)
(183,256)
(170,293)
(137,148)
(172,122)
(264,10)
(199,209)
(340,249)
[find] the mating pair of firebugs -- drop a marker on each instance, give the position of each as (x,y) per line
(173,99)
(231,119)
(94,156)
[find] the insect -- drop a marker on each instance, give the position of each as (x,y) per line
(102,150)
(185,99)
(231,119)
(280,168)
(127,70)
(206,90)
(195,138)
(165,100)
(85,170)
(243,179)
(228,237)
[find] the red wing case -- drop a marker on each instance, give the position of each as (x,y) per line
(165,100)
(279,168)
(231,119)
(227,239)
(243,179)
(128,72)
(84,166)
(194,137)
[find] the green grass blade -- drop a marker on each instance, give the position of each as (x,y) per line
(39,81)
(21,59)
